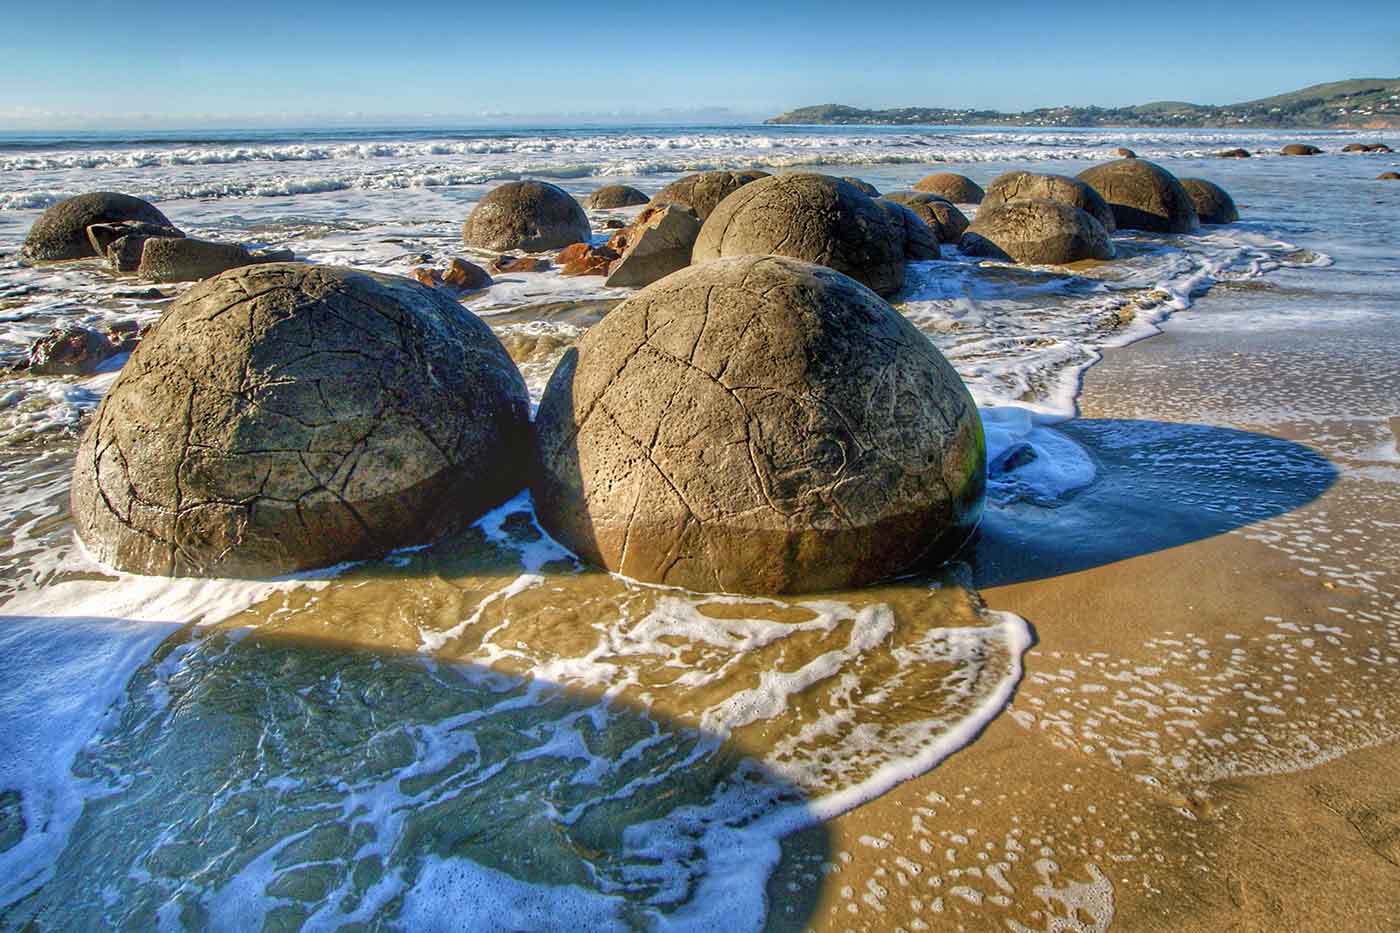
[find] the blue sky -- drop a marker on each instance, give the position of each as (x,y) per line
(114,64)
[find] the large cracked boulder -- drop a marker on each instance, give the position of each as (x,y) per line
(1143,196)
(1014,186)
(287,416)
(940,214)
(758,425)
(812,217)
(956,188)
(660,243)
(614,196)
(703,191)
(1213,203)
(1035,231)
(61,232)
(527,215)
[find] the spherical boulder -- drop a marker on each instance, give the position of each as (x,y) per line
(1213,204)
(812,217)
(1299,149)
(864,187)
(758,425)
(703,191)
(61,231)
(1233,154)
(528,215)
(942,216)
(1143,196)
(286,416)
(956,188)
(920,242)
(1014,186)
(612,196)
(1037,231)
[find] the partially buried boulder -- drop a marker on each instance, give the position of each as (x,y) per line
(168,259)
(1213,204)
(288,416)
(1037,231)
(613,196)
(1299,149)
(703,191)
(61,231)
(920,242)
(1233,154)
(1388,176)
(864,187)
(956,188)
(812,217)
(527,215)
(1143,196)
(659,244)
(758,425)
(1125,153)
(940,214)
(1016,186)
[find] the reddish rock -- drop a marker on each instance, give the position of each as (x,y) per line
(509,264)
(583,259)
(659,244)
(467,276)
(1125,153)
(612,223)
(428,277)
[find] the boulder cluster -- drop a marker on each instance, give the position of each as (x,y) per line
(755,419)
(132,236)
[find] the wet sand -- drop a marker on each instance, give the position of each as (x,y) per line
(1205,735)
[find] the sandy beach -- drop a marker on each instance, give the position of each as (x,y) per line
(1160,767)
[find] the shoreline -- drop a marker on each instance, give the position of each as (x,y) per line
(1138,810)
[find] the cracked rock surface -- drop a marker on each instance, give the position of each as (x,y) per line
(812,217)
(1037,231)
(758,425)
(285,416)
(527,215)
(610,196)
(61,231)
(1143,196)
(956,188)
(938,213)
(1015,186)
(703,191)
(1213,203)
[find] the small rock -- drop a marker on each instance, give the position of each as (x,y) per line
(70,351)
(1013,458)
(1233,154)
(467,276)
(612,223)
(585,259)
(149,294)
(510,263)
(427,276)
(610,196)
(1388,176)
(1125,153)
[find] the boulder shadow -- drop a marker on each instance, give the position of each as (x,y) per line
(1158,485)
(255,780)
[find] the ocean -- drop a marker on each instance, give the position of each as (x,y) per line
(482,733)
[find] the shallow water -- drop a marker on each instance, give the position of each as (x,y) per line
(482,732)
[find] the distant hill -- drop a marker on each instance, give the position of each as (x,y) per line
(1369,103)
